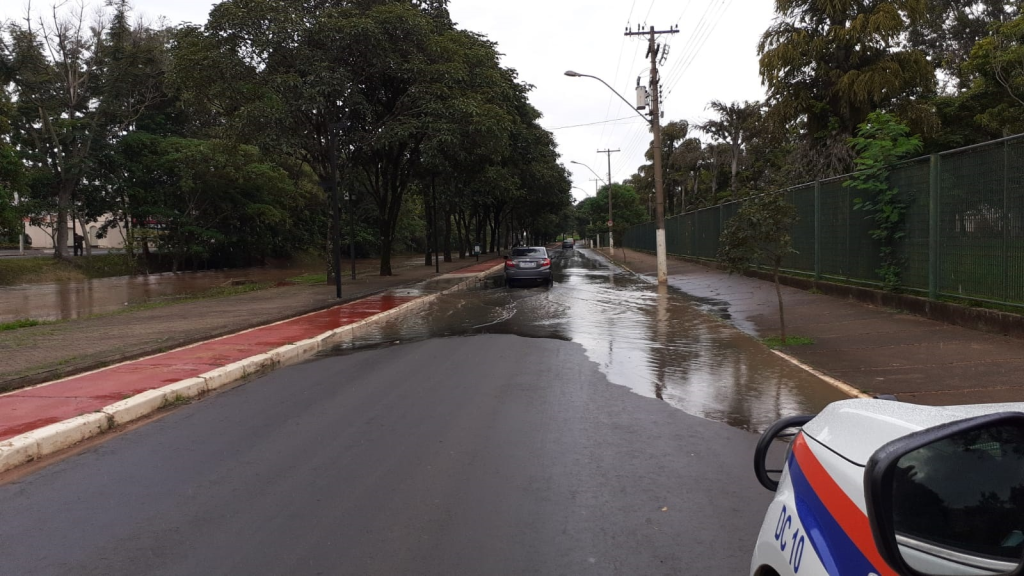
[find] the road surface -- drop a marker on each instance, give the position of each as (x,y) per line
(480,452)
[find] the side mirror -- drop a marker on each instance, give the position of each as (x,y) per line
(950,499)
(774,446)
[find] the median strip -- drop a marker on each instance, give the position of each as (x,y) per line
(45,419)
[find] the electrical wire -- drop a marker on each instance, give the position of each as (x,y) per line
(694,55)
(596,123)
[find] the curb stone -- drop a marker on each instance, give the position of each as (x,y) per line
(41,442)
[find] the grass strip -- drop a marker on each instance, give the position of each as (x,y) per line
(775,342)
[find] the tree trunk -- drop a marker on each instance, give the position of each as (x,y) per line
(86,243)
(735,168)
(448,235)
(428,258)
(495,232)
(778,292)
(386,240)
(60,245)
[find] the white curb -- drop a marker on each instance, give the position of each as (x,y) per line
(135,407)
(846,388)
(33,445)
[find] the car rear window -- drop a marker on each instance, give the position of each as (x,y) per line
(527,252)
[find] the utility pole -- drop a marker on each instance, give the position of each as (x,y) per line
(611,235)
(659,187)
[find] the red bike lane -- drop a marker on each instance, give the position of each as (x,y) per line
(32,408)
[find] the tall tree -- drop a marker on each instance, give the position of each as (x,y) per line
(733,127)
(830,64)
(79,85)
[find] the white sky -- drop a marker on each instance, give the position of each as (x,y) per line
(713,57)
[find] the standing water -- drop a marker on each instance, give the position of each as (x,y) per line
(649,338)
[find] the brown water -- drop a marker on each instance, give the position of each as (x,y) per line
(67,300)
(651,339)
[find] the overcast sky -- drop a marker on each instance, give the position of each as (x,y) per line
(713,57)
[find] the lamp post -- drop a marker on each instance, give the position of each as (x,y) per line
(609,197)
(655,124)
(588,195)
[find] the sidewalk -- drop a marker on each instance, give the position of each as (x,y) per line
(877,350)
(49,352)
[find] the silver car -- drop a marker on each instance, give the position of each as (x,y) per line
(528,263)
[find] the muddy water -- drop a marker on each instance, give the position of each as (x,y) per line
(67,300)
(649,338)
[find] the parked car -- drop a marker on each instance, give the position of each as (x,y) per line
(528,263)
(568,244)
(878,487)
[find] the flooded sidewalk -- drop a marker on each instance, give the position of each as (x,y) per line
(876,350)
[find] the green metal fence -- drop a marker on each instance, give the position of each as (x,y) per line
(964,227)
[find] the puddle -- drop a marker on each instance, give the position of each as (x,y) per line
(648,338)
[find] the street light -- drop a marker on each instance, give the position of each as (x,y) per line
(659,189)
(610,241)
(589,195)
(572,74)
(588,168)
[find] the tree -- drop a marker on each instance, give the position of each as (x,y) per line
(629,209)
(11,177)
(78,86)
(830,64)
(208,199)
(882,141)
(760,233)
(997,67)
(410,103)
(947,31)
(733,127)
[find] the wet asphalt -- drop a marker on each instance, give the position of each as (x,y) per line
(509,431)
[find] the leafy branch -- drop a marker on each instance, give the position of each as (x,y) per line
(882,141)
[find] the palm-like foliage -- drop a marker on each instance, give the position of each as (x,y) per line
(733,126)
(832,62)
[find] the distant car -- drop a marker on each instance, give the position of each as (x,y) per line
(528,263)
(568,244)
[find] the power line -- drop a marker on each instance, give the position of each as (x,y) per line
(649,11)
(595,123)
(691,41)
(693,57)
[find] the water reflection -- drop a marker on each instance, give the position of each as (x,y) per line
(646,337)
(67,300)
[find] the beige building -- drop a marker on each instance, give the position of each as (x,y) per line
(43,236)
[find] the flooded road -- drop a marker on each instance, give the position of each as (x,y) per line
(651,339)
(69,300)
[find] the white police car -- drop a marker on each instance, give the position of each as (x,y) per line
(878,487)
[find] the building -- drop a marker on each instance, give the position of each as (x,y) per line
(43,236)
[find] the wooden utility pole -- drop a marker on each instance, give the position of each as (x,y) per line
(611,239)
(659,186)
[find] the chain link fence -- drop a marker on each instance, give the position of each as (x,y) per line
(964,232)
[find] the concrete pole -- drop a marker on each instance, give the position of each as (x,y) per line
(659,185)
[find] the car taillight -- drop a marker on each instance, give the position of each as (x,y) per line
(510,264)
(545,262)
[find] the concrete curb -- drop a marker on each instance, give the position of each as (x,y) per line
(837,383)
(41,442)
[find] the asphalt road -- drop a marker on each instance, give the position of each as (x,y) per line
(490,454)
